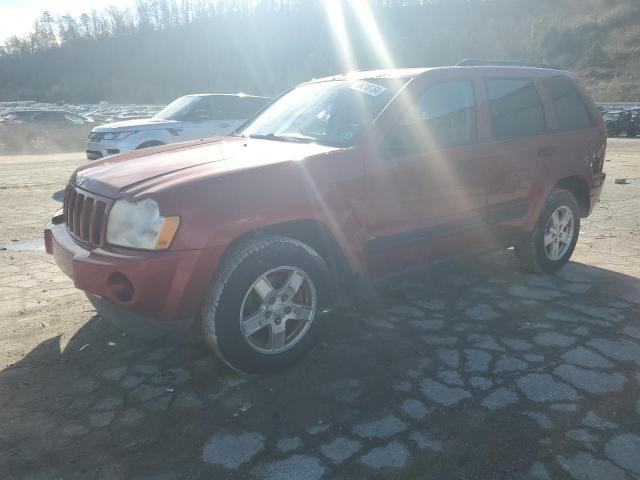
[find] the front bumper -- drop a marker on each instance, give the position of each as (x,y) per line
(106,148)
(164,286)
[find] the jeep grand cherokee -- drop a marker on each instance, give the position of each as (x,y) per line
(340,181)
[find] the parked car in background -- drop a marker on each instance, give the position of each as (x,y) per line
(622,121)
(186,118)
(615,121)
(42,130)
(341,182)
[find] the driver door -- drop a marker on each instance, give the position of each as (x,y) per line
(426,186)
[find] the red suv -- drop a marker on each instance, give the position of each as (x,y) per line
(340,181)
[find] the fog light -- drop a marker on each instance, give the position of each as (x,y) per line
(120,286)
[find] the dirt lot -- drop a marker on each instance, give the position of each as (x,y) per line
(486,373)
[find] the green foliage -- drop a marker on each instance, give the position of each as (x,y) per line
(159,49)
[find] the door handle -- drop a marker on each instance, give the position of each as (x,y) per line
(224,125)
(547,151)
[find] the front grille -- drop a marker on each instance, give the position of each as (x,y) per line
(85,215)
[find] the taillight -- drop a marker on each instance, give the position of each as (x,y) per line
(596,159)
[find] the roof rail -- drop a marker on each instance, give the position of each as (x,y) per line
(503,63)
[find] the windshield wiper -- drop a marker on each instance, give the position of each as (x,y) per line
(282,138)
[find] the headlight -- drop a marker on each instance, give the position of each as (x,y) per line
(117,135)
(139,225)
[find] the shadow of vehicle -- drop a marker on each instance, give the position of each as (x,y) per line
(58,196)
(465,372)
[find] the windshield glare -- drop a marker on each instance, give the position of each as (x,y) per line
(332,113)
(178,109)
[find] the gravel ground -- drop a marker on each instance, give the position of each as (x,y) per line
(484,373)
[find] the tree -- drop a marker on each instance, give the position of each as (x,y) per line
(68,28)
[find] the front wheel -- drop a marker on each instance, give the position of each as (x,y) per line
(262,312)
(37,142)
(552,242)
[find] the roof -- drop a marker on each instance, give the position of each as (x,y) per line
(31,110)
(372,74)
(404,73)
(243,95)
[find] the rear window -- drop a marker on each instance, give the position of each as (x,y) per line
(516,110)
(570,110)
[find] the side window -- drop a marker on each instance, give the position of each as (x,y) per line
(49,117)
(516,110)
(443,116)
(74,119)
(226,107)
(249,106)
(199,110)
(571,112)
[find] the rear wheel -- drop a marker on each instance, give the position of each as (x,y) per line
(262,313)
(552,242)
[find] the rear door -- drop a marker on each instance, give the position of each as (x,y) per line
(229,113)
(575,128)
(519,147)
(426,190)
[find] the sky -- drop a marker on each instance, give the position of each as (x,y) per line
(17,16)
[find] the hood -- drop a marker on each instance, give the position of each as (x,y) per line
(138,124)
(136,172)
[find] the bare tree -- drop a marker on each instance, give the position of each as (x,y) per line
(68,28)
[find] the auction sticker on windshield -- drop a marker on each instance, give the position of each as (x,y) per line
(368,88)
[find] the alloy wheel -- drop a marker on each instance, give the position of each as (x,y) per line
(559,233)
(278,310)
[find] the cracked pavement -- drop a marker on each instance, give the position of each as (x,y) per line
(472,370)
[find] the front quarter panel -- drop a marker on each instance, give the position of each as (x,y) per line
(327,188)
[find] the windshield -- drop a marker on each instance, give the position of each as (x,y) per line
(332,113)
(179,109)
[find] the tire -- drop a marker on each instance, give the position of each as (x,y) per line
(532,253)
(234,296)
(149,144)
(37,142)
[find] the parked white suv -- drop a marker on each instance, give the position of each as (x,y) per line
(186,118)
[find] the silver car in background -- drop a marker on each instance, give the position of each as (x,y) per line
(187,118)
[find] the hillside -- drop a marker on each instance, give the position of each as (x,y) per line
(164,48)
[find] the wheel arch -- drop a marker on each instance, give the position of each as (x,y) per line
(150,143)
(580,189)
(308,231)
